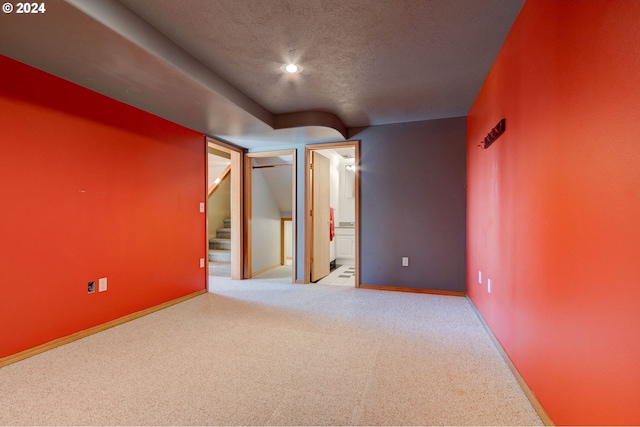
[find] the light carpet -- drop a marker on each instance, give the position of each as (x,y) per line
(263,353)
(282,274)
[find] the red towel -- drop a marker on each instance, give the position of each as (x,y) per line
(332,230)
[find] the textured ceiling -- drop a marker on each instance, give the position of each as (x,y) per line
(367,61)
(214,65)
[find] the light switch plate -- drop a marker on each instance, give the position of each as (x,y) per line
(102,284)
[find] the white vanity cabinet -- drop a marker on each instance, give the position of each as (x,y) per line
(345,245)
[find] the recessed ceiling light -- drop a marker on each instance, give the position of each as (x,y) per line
(291,68)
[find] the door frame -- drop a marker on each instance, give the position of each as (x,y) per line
(283,256)
(237,173)
(307,203)
(247,206)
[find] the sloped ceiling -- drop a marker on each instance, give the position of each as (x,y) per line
(279,179)
(214,65)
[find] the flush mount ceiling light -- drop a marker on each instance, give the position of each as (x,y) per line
(291,68)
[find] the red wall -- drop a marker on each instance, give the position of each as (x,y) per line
(554,206)
(91,188)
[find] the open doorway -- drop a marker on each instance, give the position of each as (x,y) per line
(332,207)
(270,214)
(224,207)
(219,212)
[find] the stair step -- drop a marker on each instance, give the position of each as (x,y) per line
(220,269)
(227,222)
(223,233)
(220,244)
(219,255)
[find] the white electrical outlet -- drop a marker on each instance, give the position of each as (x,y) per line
(489,285)
(479,276)
(201,262)
(202,207)
(405,261)
(102,284)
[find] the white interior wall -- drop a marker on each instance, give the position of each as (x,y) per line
(217,162)
(265,225)
(346,199)
(288,242)
(219,207)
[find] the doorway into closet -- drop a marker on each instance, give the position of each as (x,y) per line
(270,215)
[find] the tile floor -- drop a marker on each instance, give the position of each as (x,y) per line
(341,276)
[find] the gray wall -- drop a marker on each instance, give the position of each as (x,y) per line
(413,203)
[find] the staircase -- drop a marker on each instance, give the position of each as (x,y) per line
(220,251)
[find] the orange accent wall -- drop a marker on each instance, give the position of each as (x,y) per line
(554,206)
(91,188)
